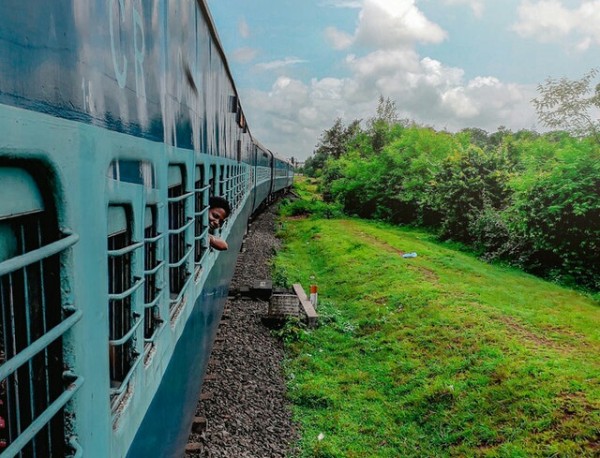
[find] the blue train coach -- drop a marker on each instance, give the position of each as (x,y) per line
(118,120)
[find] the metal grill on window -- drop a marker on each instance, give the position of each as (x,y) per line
(122,286)
(152,267)
(212,180)
(179,249)
(240,184)
(234,186)
(201,210)
(222,181)
(228,185)
(34,385)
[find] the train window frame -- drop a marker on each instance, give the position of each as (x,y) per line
(154,264)
(180,249)
(132,171)
(213,179)
(124,319)
(37,306)
(201,206)
(221,180)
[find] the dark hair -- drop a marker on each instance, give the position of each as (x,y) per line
(219,202)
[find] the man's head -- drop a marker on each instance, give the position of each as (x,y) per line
(218,212)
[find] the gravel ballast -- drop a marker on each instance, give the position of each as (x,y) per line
(243,397)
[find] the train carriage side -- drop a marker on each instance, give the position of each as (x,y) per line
(115,128)
(263,186)
(283,174)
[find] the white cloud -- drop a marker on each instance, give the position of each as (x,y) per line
(342,3)
(388,24)
(475,5)
(551,21)
(279,63)
(294,113)
(457,101)
(243,28)
(338,39)
(244,55)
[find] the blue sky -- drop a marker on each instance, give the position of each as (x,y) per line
(450,64)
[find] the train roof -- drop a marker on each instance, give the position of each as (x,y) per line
(275,155)
(213,30)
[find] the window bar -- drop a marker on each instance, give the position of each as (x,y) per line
(127,293)
(117,252)
(180,197)
(28,380)
(179,297)
(227,181)
(202,239)
(231,187)
(26,352)
(222,181)
(184,258)
(150,309)
(200,209)
(152,292)
(179,230)
(120,342)
(18,262)
(201,233)
(14,363)
(46,362)
(179,250)
(117,392)
(123,320)
(46,417)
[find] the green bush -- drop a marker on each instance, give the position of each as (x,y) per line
(314,207)
(532,200)
(560,213)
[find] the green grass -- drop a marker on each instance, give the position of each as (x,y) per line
(309,202)
(440,355)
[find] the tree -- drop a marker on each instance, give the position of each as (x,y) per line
(478,137)
(568,104)
(334,141)
(381,125)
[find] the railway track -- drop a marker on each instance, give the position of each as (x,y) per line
(243,411)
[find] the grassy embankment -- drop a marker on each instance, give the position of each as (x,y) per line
(439,355)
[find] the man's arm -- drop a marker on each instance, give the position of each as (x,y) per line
(217,243)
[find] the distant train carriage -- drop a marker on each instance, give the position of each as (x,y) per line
(118,120)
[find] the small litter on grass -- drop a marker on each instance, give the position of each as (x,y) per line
(409,255)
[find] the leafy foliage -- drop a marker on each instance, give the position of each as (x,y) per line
(529,199)
(568,104)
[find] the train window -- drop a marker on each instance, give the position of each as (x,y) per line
(130,171)
(201,214)
(242,121)
(152,267)
(32,388)
(222,180)
(240,186)
(179,249)
(233,104)
(228,183)
(213,179)
(236,185)
(122,287)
